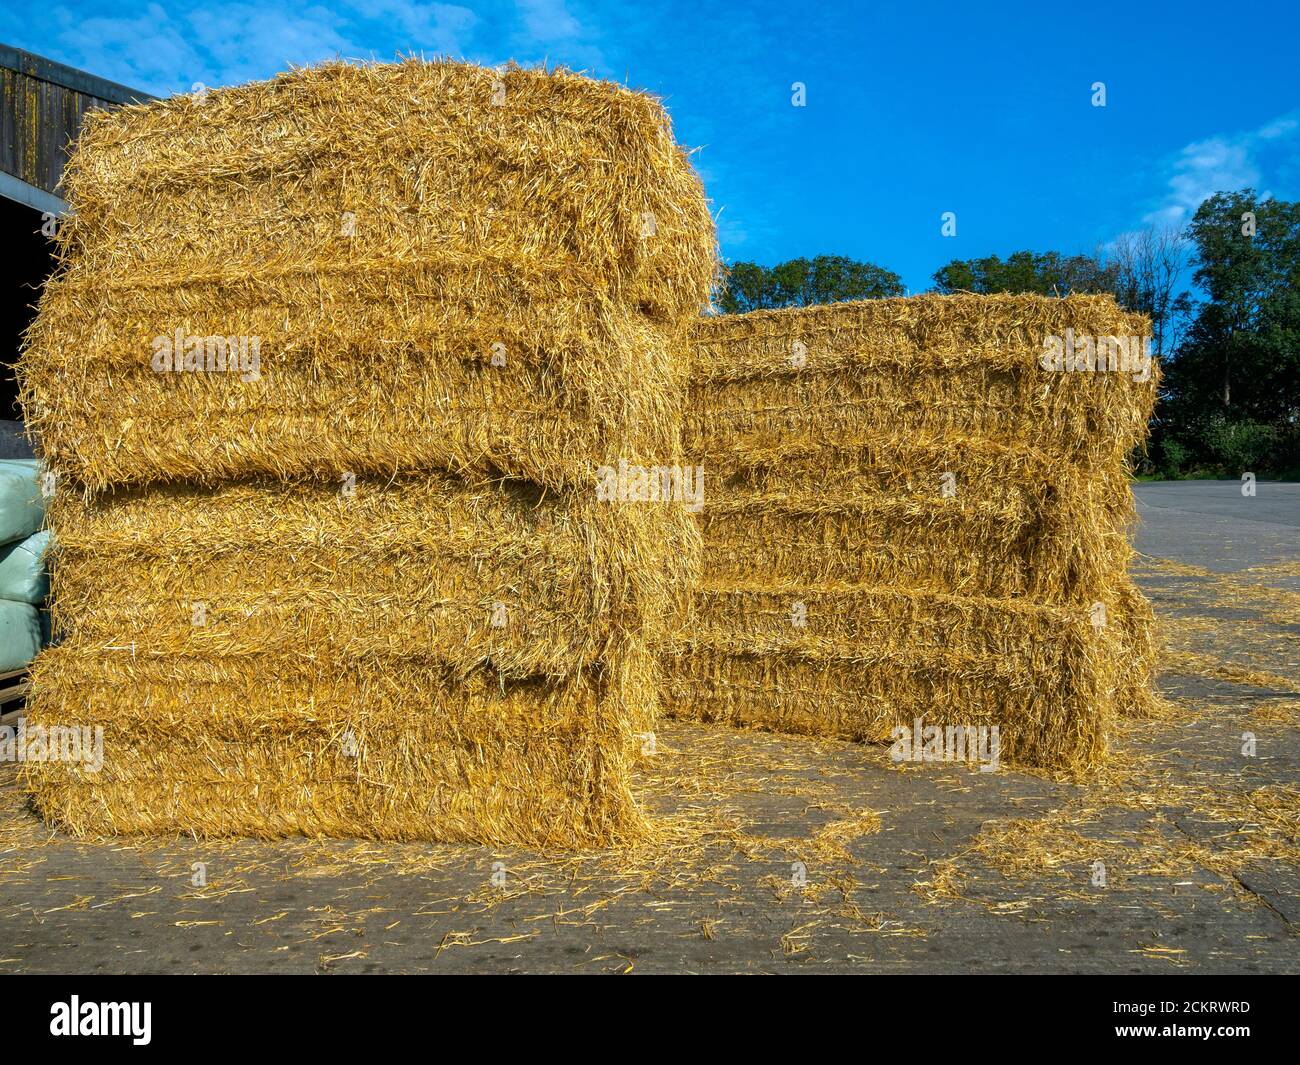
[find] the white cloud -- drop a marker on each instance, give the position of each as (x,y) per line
(442,29)
(247,41)
(546,21)
(547,29)
(1227,161)
(168,47)
(149,51)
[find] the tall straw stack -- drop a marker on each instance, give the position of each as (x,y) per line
(355,579)
(911,517)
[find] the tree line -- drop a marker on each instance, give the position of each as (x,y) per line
(1223,296)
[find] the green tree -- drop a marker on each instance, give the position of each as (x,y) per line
(1048,273)
(1240,359)
(805,282)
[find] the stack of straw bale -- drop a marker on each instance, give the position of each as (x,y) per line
(910,517)
(361,584)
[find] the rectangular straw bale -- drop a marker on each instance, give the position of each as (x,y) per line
(386,748)
(1044,719)
(1061,536)
(952,367)
(440,162)
(442,265)
(892,462)
(874,538)
(590,384)
(429,568)
(866,659)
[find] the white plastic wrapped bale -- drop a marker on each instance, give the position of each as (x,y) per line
(22,504)
(23,577)
(21,634)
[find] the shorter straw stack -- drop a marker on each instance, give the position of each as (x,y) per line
(911,518)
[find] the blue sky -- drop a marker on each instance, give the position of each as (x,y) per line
(913,109)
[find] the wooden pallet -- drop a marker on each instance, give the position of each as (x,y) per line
(13,686)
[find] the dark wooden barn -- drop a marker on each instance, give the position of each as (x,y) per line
(42,104)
